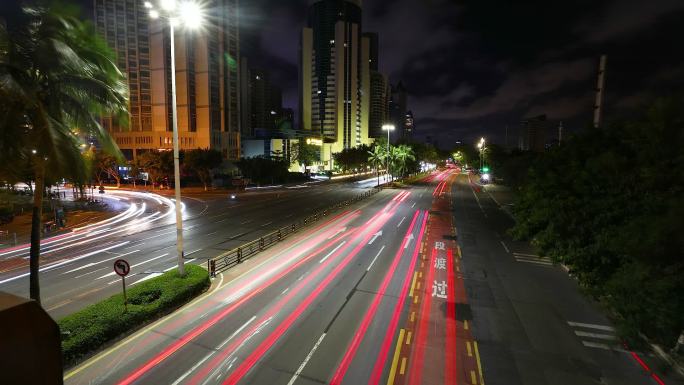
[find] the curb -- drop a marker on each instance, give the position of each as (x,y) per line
(665,356)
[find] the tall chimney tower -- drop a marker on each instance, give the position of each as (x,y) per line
(598,106)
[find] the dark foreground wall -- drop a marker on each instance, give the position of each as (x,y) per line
(30,348)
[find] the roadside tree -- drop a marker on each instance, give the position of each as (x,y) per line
(57,74)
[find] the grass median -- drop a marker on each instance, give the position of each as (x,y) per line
(96,325)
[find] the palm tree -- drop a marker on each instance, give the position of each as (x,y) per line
(59,77)
(402,155)
(377,157)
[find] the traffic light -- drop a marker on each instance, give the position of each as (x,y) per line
(485,169)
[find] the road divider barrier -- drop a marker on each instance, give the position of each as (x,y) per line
(243,252)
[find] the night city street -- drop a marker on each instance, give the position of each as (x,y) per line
(306,192)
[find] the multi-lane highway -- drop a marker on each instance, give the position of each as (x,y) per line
(411,286)
(76,268)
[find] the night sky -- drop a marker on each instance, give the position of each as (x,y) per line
(473,67)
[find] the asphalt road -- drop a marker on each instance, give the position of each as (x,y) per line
(531,322)
(76,268)
(311,309)
(411,286)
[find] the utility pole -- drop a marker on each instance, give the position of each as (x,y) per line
(598,105)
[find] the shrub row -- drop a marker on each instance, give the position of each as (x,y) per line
(94,326)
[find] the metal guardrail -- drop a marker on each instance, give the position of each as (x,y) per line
(243,252)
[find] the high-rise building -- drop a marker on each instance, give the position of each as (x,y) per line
(373,51)
(409,125)
(207,81)
(533,134)
(245,101)
(335,75)
(262,102)
(398,108)
(379,90)
(379,104)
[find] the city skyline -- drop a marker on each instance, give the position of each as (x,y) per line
(466,61)
(469,194)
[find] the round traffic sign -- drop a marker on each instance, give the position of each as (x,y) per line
(121,267)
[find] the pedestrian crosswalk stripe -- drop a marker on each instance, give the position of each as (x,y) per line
(533,260)
(596,336)
(592,326)
(527,255)
(603,346)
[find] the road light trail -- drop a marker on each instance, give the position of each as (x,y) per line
(370,313)
(256,355)
(385,347)
(208,324)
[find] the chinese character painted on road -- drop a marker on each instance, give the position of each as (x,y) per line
(440,263)
(439,289)
(440,245)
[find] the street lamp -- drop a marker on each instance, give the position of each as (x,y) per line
(481,146)
(189,15)
(388,128)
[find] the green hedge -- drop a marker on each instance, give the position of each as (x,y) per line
(89,329)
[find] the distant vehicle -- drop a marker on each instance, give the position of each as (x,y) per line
(232,196)
(320,176)
(101,189)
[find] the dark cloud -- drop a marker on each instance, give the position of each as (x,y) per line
(472,66)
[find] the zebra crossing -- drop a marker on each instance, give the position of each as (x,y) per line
(532,259)
(596,336)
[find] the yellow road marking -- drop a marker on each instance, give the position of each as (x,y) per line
(465,324)
(420,274)
(408,338)
(479,363)
(418,286)
(415,299)
(473,377)
(458,269)
(413,284)
(395,360)
(459,252)
(403,365)
(413,316)
(469,349)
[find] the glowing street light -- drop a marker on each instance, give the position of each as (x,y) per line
(481,146)
(388,128)
(188,15)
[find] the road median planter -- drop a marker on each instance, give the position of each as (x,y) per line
(91,328)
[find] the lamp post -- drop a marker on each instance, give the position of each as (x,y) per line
(481,146)
(388,128)
(189,15)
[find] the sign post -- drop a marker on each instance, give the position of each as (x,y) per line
(122,268)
